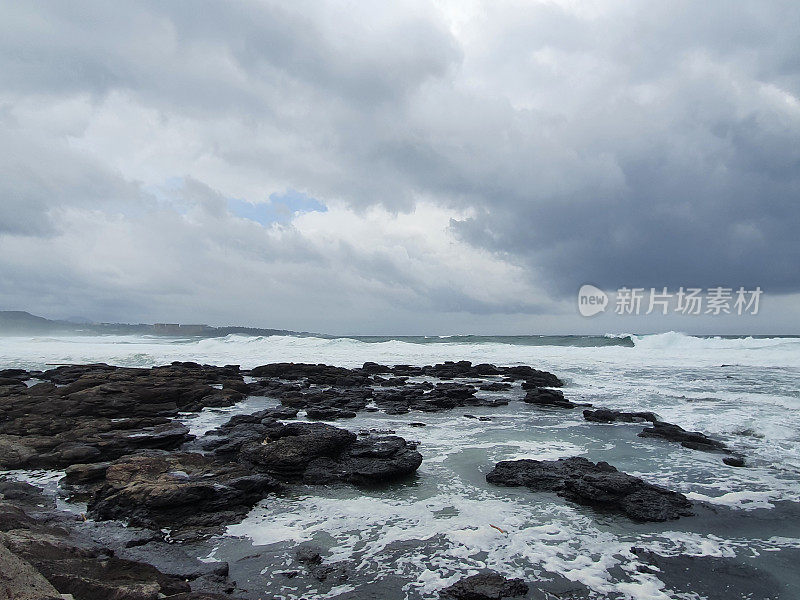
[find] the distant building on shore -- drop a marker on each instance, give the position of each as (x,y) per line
(178,329)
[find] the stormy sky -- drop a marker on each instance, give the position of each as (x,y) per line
(411,167)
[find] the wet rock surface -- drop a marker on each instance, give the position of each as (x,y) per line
(711,577)
(688,439)
(593,484)
(181,489)
(116,432)
(96,413)
(485,586)
(605,415)
(330,393)
(545,397)
(239,463)
(659,429)
(19,580)
(321,453)
(47,553)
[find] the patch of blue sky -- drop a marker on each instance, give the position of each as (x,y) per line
(280,208)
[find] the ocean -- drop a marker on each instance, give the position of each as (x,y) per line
(447,523)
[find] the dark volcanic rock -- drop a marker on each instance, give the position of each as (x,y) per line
(689,439)
(371,367)
(85,569)
(430,398)
(46,552)
(328,392)
(318,374)
(96,413)
(595,484)
(605,415)
(161,489)
(495,386)
(320,453)
(329,414)
(86,473)
(485,586)
(19,580)
(545,397)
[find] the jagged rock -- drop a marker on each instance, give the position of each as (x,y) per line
(318,374)
(85,473)
(595,484)
(485,586)
(90,571)
(323,389)
(605,415)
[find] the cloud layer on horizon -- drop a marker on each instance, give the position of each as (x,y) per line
(478,161)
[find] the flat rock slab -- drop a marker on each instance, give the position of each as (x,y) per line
(593,484)
(20,581)
(161,489)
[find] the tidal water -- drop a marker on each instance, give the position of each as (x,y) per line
(415,537)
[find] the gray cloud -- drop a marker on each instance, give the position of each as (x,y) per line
(640,145)
(39,176)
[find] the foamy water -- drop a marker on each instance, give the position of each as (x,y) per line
(439,527)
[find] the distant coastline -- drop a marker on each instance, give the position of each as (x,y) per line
(18,322)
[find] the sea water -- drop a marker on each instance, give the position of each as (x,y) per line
(447,522)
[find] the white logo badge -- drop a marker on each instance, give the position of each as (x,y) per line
(591,300)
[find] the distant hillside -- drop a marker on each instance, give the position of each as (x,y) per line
(18,322)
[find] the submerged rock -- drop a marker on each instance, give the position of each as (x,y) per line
(485,586)
(311,558)
(712,577)
(606,415)
(594,484)
(689,439)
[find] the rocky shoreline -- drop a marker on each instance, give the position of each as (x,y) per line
(151,486)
